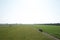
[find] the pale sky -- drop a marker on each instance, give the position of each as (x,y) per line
(29,11)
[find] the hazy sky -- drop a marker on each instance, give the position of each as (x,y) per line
(29,11)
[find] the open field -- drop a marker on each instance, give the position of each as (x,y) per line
(27,32)
(51,29)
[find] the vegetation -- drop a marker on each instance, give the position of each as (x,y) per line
(27,32)
(54,30)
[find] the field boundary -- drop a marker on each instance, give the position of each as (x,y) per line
(50,36)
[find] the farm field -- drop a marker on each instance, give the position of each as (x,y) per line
(50,29)
(27,32)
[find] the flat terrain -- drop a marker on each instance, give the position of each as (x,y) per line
(50,29)
(26,32)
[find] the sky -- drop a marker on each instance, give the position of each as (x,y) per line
(29,11)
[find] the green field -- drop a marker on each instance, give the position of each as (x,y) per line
(27,32)
(50,29)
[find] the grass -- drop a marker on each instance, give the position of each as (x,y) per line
(21,32)
(51,29)
(28,32)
